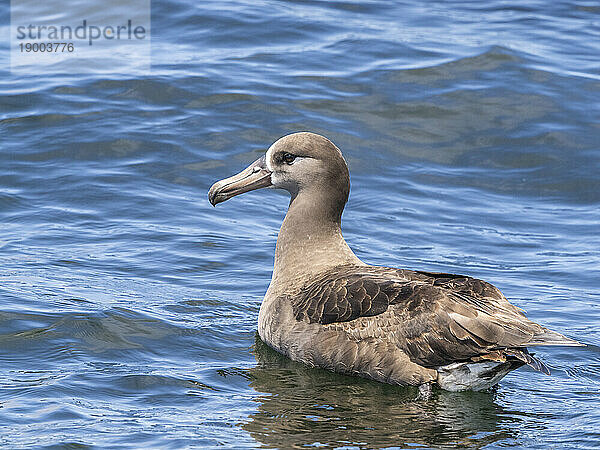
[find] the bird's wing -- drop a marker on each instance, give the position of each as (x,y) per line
(435,318)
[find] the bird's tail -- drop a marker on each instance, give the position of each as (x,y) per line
(528,358)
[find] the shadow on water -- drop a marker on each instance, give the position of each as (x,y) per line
(313,407)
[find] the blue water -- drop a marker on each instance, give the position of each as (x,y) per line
(128,305)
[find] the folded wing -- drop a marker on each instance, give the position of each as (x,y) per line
(435,318)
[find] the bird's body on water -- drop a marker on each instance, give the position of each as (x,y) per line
(326,308)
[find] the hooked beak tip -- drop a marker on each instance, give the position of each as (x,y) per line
(213,195)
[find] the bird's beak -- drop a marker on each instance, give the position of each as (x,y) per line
(255,176)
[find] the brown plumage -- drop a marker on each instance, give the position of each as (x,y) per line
(327,308)
(445,318)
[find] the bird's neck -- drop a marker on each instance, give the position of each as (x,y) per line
(310,239)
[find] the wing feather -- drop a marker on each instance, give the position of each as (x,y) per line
(434,318)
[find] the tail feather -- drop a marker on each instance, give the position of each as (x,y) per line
(529,359)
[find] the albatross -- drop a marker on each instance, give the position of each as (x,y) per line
(326,308)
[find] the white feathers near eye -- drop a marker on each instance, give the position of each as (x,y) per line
(268,158)
(287,175)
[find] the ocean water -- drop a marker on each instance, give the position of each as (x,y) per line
(128,305)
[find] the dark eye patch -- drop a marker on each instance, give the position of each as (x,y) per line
(285,157)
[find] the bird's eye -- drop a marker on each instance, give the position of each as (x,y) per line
(288,158)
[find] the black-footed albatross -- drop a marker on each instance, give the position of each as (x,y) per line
(327,308)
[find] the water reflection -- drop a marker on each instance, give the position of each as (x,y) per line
(311,407)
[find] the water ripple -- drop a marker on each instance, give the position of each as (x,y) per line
(129,304)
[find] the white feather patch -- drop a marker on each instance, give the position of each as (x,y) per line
(471,376)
